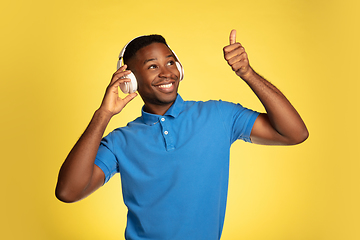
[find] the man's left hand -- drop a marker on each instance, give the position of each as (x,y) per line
(236,57)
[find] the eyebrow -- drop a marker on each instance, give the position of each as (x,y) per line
(153,59)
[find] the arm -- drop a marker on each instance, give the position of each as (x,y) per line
(281,124)
(79,176)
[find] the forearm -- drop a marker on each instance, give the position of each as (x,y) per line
(281,114)
(77,170)
(79,176)
(281,124)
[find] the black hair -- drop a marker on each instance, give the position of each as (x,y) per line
(140,42)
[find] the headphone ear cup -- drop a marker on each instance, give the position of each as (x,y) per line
(180,69)
(129,87)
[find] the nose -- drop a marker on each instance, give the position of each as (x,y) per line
(165,73)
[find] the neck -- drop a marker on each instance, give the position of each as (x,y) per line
(157,109)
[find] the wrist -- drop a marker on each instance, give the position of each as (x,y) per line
(103,114)
(248,75)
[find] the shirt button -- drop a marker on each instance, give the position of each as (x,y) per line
(166,132)
(162,119)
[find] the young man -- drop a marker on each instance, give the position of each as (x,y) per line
(174,159)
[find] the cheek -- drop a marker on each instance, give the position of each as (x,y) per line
(176,72)
(144,82)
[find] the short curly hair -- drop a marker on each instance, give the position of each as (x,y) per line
(140,42)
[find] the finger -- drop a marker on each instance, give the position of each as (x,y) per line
(113,86)
(129,97)
(239,66)
(123,74)
(237,58)
(122,68)
(232,47)
(233,36)
(230,53)
(119,81)
(119,75)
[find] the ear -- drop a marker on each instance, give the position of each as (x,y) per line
(178,64)
(131,63)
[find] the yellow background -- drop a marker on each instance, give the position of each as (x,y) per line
(57,58)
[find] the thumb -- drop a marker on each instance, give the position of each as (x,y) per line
(233,36)
(129,97)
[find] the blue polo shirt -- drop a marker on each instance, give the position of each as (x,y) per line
(174,168)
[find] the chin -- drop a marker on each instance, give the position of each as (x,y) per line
(168,98)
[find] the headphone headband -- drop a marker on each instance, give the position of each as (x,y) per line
(121,55)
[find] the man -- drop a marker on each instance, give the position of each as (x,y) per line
(174,159)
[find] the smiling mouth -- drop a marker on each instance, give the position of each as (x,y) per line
(165,86)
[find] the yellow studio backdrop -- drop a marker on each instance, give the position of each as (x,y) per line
(57,58)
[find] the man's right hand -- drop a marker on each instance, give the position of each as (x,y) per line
(79,176)
(112,104)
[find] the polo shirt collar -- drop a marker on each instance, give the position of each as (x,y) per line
(173,111)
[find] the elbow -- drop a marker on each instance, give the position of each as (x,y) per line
(300,137)
(64,195)
(306,135)
(303,135)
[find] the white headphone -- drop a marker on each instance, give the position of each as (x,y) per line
(132,86)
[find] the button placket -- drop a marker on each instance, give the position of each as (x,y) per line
(166,133)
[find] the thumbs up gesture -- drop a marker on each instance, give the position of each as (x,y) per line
(236,57)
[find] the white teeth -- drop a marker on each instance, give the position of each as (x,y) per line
(165,86)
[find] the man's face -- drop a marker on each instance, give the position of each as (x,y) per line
(156,73)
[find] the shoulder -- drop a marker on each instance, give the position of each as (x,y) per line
(120,132)
(203,104)
(213,104)
(212,109)
(199,107)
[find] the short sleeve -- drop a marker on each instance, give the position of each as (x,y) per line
(238,120)
(105,158)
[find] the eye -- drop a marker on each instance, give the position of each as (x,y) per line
(172,62)
(153,66)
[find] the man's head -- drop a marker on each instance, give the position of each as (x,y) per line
(154,66)
(140,42)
